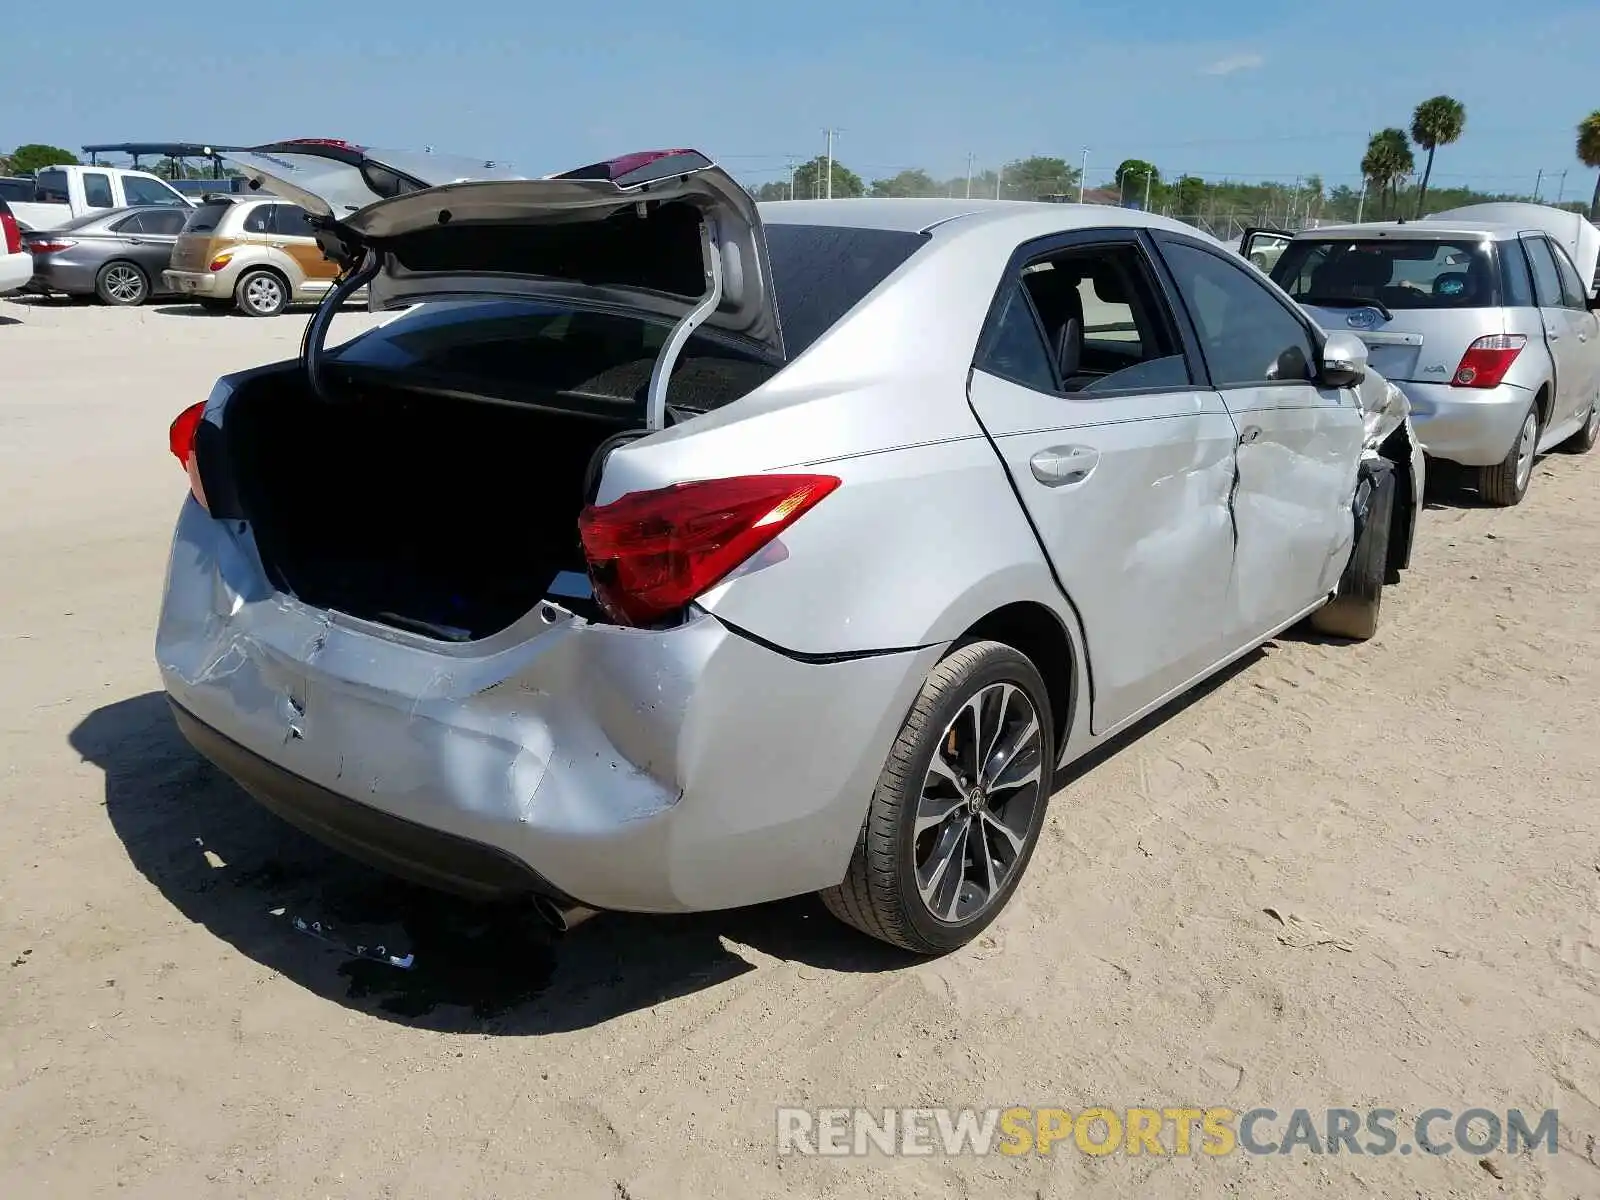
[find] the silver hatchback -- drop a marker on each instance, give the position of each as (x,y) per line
(664,553)
(1488,327)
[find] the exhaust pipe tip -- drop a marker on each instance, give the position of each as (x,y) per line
(563,918)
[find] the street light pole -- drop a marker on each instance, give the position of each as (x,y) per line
(830,132)
(969,175)
(1083,174)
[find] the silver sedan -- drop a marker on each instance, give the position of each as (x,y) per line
(116,256)
(666,553)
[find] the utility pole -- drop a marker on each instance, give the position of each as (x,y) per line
(830,133)
(1561,187)
(998,175)
(969,175)
(1083,174)
(1361,204)
(791,177)
(1538,182)
(1147,175)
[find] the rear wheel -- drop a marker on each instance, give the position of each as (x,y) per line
(1506,483)
(1584,440)
(122,285)
(261,294)
(1353,612)
(958,808)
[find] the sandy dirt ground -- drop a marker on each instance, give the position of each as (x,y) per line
(1419,811)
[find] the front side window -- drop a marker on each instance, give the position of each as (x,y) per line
(1248,336)
(97,190)
(1573,293)
(139,190)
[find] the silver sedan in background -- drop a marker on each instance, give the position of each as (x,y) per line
(667,553)
(117,256)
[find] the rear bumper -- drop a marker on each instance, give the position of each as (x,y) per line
(54,274)
(15,271)
(1466,426)
(650,771)
(199,284)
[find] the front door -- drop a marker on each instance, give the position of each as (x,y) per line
(1299,442)
(1123,463)
(1584,352)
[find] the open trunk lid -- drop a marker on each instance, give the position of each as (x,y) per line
(666,233)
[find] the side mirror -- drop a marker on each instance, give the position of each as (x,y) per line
(1344,361)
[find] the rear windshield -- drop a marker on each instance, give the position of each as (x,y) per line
(50,187)
(1425,273)
(821,272)
(522,350)
(208,216)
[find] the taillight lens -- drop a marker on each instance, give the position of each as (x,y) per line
(650,553)
(220,261)
(12,232)
(51,245)
(1488,359)
(181,438)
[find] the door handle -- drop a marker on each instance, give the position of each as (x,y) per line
(133,241)
(1249,435)
(1553,335)
(1060,465)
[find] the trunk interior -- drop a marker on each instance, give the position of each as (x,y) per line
(446,509)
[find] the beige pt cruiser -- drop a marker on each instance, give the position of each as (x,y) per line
(256,254)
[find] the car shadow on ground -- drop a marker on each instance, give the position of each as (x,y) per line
(229,865)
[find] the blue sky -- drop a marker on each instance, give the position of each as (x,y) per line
(1235,87)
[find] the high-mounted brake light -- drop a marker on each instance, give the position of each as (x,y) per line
(647,166)
(181,438)
(336,143)
(1487,360)
(12,232)
(51,245)
(650,553)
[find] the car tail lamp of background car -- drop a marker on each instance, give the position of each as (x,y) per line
(220,261)
(12,233)
(181,437)
(650,553)
(50,245)
(1488,359)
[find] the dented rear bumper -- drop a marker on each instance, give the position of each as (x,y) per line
(652,771)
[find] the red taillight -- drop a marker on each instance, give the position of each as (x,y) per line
(336,143)
(181,438)
(50,245)
(13,233)
(650,553)
(1488,359)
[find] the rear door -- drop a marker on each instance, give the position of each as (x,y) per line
(292,234)
(151,235)
(1123,462)
(1561,327)
(1299,442)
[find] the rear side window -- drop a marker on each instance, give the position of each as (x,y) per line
(207,217)
(1425,273)
(1573,293)
(139,190)
(1016,349)
(50,187)
(821,272)
(1515,282)
(259,219)
(1546,278)
(20,190)
(133,224)
(97,190)
(291,221)
(1248,336)
(165,223)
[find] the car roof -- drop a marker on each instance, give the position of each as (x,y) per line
(941,216)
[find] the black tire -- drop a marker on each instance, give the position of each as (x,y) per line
(122,285)
(261,293)
(1506,483)
(880,894)
(1354,610)
(1584,440)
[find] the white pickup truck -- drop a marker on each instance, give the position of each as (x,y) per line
(62,193)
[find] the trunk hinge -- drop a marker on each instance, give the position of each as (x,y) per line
(349,282)
(655,408)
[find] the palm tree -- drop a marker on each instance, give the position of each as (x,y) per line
(1437,122)
(1589,155)
(1388,160)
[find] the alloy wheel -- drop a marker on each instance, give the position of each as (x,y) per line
(264,294)
(977,803)
(124,285)
(1527,443)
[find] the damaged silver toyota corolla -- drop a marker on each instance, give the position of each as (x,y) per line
(662,553)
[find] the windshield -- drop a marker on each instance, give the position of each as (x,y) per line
(821,272)
(1424,273)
